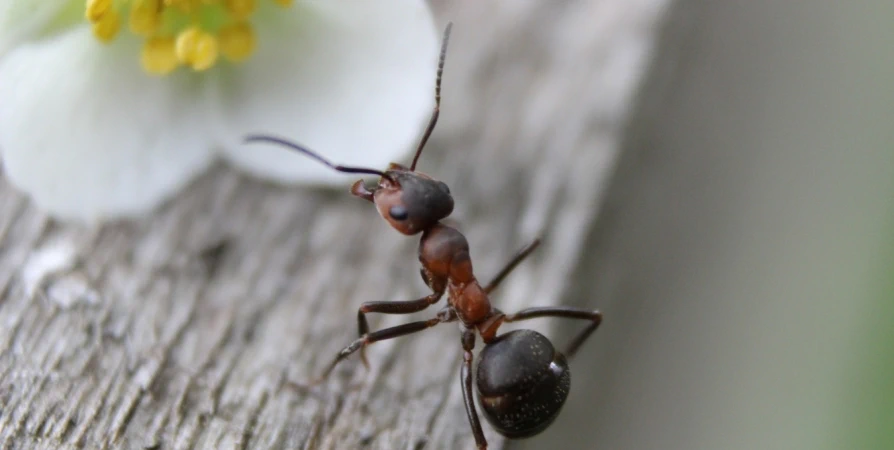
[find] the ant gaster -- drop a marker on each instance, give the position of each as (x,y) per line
(522,381)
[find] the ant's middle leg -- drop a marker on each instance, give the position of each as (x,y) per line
(595,317)
(445,315)
(397,307)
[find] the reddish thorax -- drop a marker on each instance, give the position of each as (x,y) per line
(444,254)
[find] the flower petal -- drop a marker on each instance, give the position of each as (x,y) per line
(352,80)
(88,135)
(20,19)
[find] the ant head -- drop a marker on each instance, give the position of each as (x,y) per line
(409,201)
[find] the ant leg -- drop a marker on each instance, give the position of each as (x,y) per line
(562,312)
(468,340)
(405,307)
(518,258)
(445,315)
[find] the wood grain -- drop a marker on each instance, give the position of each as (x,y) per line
(182,330)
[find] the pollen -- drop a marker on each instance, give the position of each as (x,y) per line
(237,41)
(240,9)
(159,55)
(196,48)
(145,17)
(96,9)
(106,27)
(193,34)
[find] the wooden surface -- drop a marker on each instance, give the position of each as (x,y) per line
(181,330)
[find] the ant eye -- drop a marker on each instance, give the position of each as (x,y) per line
(443,186)
(399,212)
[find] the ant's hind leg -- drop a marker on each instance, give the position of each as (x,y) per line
(511,265)
(595,317)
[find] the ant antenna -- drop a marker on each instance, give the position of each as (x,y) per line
(300,149)
(437,111)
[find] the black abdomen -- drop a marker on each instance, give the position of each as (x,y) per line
(522,383)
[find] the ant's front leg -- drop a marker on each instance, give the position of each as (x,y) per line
(398,307)
(595,317)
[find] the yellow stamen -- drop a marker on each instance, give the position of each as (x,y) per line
(196,48)
(240,9)
(206,53)
(106,27)
(237,41)
(96,9)
(183,5)
(159,55)
(192,33)
(145,17)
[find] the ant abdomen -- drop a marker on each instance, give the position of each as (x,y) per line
(522,383)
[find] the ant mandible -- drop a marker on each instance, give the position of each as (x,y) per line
(522,381)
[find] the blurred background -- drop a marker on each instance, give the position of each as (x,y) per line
(744,255)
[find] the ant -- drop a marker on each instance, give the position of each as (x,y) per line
(522,381)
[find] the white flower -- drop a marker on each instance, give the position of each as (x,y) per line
(110,116)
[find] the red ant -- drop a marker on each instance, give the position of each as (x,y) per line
(522,380)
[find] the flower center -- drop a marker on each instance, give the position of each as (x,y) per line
(190,33)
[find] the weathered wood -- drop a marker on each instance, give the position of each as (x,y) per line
(181,330)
